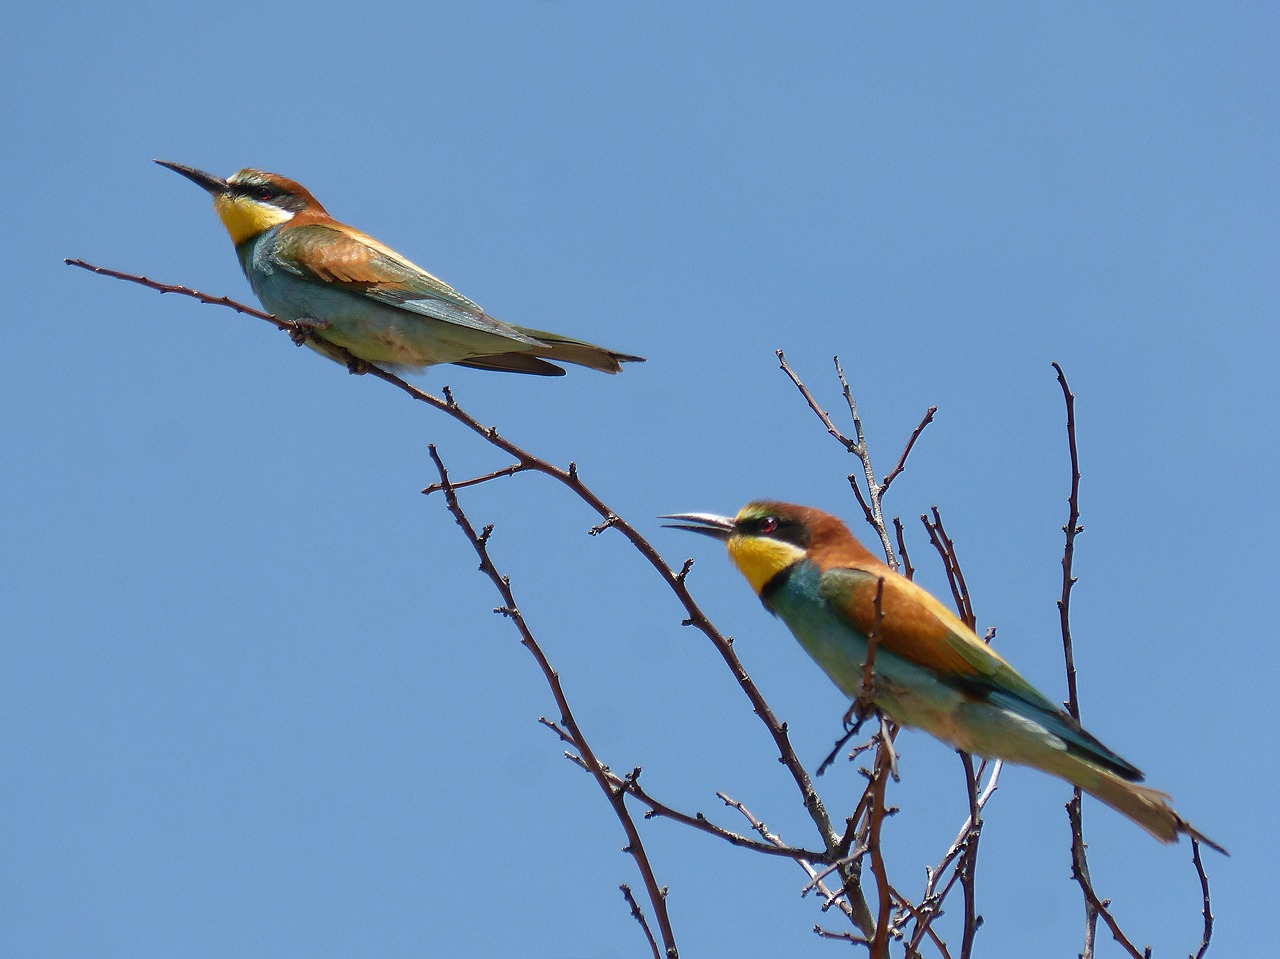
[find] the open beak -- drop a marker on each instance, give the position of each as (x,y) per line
(214,184)
(708,524)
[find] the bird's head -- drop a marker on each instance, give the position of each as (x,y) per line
(764,539)
(251,201)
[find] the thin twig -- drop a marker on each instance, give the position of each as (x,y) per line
(1095,907)
(616,797)
(184,291)
(511,470)
(1207,908)
(1071,529)
(906,451)
(854,907)
(639,917)
(969,867)
(946,548)
(908,570)
(931,902)
(879,948)
(1079,860)
(658,809)
(871,503)
(695,617)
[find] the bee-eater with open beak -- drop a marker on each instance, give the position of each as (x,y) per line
(929,669)
(347,289)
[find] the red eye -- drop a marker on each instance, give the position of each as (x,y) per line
(768,524)
(265,193)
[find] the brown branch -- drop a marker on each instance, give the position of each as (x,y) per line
(184,291)
(638,913)
(946,548)
(853,906)
(866,694)
(694,617)
(879,948)
(871,503)
(968,869)
(511,470)
(1079,861)
(853,446)
(906,451)
(1207,911)
(1071,529)
(908,570)
(639,917)
(616,797)
(631,784)
(933,898)
(1095,907)
(569,477)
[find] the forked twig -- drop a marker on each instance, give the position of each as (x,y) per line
(616,797)
(638,913)
(675,580)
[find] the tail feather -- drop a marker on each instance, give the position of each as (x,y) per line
(512,363)
(564,349)
(1149,808)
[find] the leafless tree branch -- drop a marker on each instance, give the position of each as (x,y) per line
(861,840)
(638,913)
(616,797)
(675,581)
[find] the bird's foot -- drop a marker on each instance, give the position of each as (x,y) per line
(304,327)
(857,714)
(358,367)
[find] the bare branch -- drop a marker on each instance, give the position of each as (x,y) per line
(879,948)
(511,470)
(852,446)
(969,868)
(1095,908)
(906,451)
(657,809)
(182,290)
(931,902)
(616,797)
(1207,910)
(870,503)
(853,906)
(569,477)
(1071,528)
(639,917)
(908,570)
(951,562)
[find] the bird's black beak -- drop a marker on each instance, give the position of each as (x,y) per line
(708,524)
(214,184)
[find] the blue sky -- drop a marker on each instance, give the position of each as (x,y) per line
(254,700)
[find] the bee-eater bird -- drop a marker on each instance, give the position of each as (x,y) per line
(344,288)
(929,669)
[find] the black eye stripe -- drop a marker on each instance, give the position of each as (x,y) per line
(776,527)
(257,191)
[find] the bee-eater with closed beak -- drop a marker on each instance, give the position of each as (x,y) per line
(929,669)
(344,288)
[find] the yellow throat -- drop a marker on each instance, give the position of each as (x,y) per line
(760,559)
(245,218)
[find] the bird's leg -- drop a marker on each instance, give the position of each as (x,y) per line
(856,715)
(304,327)
(853,719)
